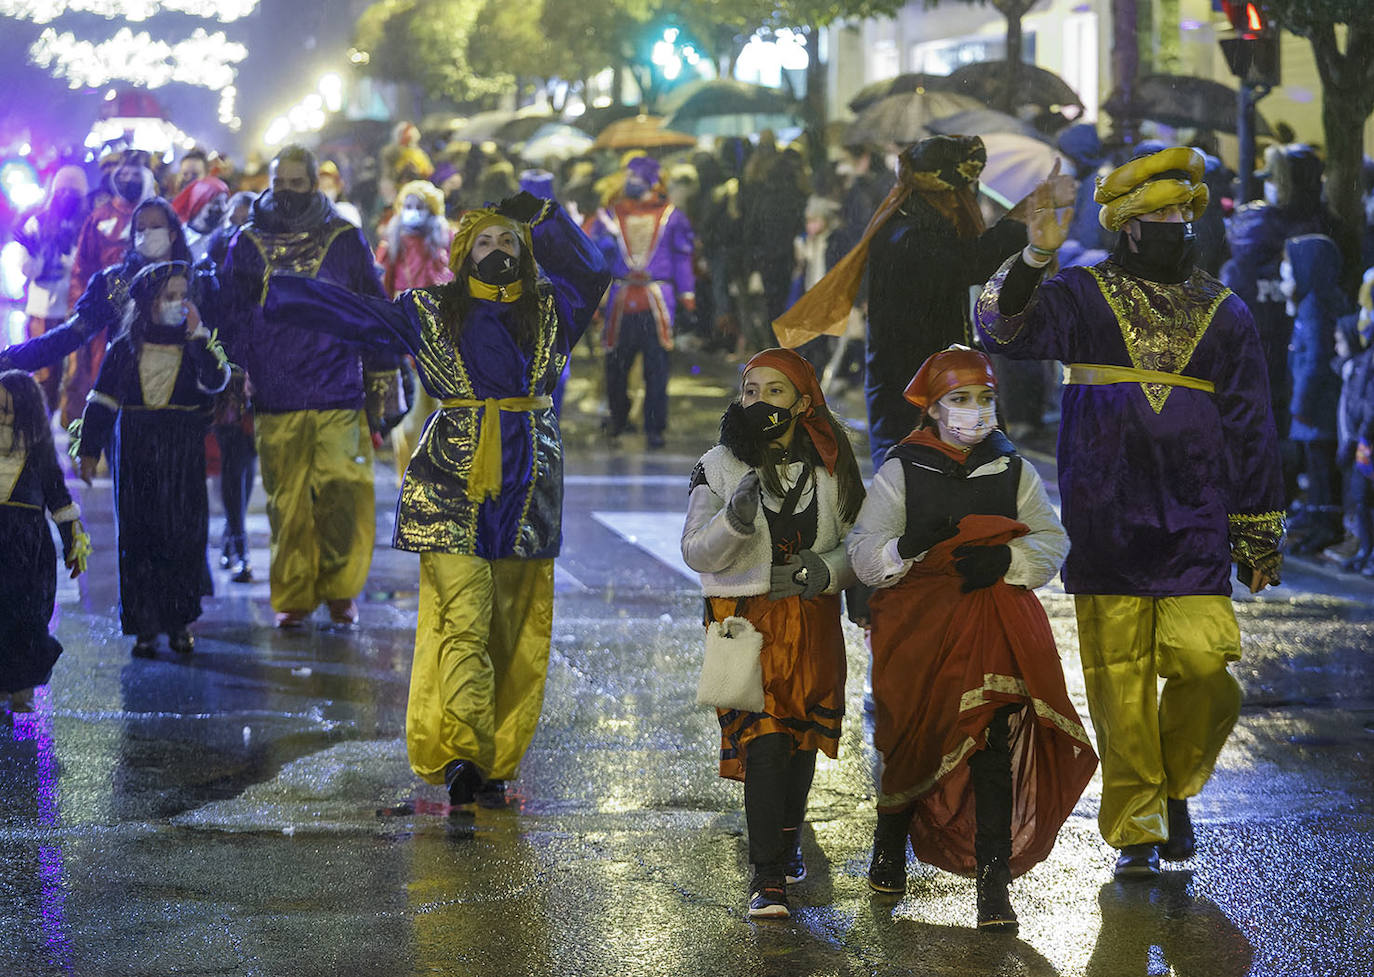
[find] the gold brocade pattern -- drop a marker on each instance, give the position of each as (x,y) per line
(1257,541)
(117,290)
(294,252)
(1161,324)
(999,327)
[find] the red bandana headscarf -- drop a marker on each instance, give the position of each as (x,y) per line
(802,376)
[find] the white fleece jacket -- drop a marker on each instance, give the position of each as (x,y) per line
(734,564)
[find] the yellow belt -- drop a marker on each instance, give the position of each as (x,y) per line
(1096,374)
(484,480)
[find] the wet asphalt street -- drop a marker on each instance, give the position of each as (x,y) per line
(249,810)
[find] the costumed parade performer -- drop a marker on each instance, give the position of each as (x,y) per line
(767,515)
(482,497)
(150,411)
(925,246)
(984,756)
(30,482)
(648,243)
(309,390)
(1169,473)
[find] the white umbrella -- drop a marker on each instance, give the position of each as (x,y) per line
(556,140)
(1016,165)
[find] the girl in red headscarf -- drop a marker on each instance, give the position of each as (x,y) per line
(767,516)
(983,754)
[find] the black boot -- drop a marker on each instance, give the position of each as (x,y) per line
(1182,845)
(995,914)
(1138,862)
(462,778)
(887,868)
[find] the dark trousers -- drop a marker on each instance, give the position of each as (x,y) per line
(777,781)
(237,468)
(990,772)
(638,336)
(1362,506)
(1323,480)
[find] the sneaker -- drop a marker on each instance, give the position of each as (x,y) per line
(768,899)
(292,620)
(182,642)
(793,864)
(145,646)
(1182,844)
(343,611)
(1137,862)
(243,573)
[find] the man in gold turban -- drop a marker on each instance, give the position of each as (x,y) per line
(1169,474)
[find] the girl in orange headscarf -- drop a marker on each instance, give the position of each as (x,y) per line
(983,754)
(768,512)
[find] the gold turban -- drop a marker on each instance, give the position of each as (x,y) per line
(474,222)
(1150,183)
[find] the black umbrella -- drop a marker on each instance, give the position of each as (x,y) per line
(1185,102)
(724,96)
(901,119)
(912,81)
(597,118)
(987,82)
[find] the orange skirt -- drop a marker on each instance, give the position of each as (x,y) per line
(803,677)
(943,663)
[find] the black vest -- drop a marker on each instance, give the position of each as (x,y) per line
(930,475)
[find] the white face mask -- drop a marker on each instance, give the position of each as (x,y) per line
(171,313)
(155,243)
(414,218)
(971,424)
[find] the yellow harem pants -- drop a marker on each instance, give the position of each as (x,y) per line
(1155,745)
(481,657)
(317,472)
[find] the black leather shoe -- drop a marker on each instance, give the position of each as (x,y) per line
(995,914)
(145,646)
(1182,845)
(1138,862)
(491,794)
(463,779)
(183,642)
(887,867)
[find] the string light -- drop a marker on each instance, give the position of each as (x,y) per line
(203,59)
(225,11)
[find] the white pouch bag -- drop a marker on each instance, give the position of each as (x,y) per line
(732,670)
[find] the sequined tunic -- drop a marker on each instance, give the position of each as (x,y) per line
(1162,486)
(434,513)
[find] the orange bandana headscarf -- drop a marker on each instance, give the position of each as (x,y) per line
(942,169)
(802,376)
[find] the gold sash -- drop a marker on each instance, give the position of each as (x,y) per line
(484,480)
(1097,374)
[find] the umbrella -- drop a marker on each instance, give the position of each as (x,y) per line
(502,126)
(1183,101)
(596,118)
(903,118)
(984,122)
(722,107)
(1016,164)
(556,140)
(987,82)
(641,132)
(912,81)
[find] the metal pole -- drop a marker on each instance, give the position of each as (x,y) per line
(1245,134)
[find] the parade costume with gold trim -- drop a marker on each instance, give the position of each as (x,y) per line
(1164,485)
(314,447)
(948,664)
(482,497)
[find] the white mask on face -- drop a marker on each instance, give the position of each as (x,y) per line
(971,424)
(154,244)
(170,313)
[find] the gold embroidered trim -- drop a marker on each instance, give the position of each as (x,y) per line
(1161,325)
(1001,328)
(1257,540)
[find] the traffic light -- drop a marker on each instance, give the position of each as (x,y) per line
(1253,54)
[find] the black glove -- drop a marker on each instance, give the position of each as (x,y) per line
(981,566)
(523,206)
(743,504)
(804,575)
(922,536)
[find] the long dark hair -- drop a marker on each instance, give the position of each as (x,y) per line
(30,409)
(180,250)
(137,316)
(455,302)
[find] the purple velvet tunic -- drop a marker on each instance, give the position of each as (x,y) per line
(434,513)
(1162,486)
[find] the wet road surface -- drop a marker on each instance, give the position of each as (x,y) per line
(249,809)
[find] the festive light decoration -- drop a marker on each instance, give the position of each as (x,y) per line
(225,11)
(203,59)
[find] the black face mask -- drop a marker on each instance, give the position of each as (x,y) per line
(292,203)
(130,190)
(766,421)
(209,218)
(1166,252)
(166,335)
(498,268)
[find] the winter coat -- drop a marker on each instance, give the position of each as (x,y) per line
(1316,264)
